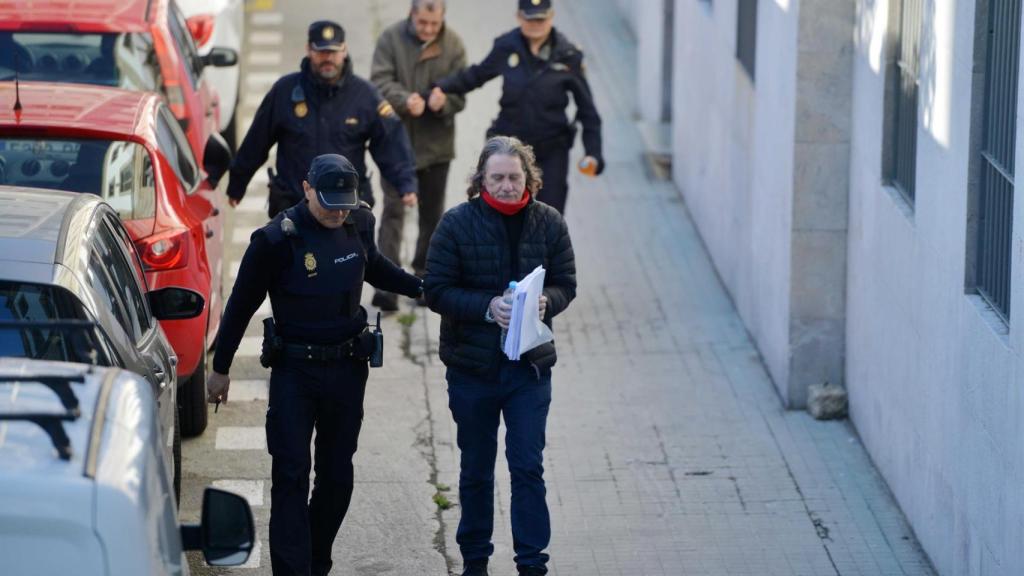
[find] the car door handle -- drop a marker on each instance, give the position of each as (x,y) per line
(209,232)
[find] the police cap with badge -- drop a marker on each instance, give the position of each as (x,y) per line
(535,9)
(326,35)
(336,182)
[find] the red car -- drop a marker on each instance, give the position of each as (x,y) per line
(127,148)
(134,44)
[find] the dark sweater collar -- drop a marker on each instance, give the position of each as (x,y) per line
(325,88)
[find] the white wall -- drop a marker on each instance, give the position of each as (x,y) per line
(650,55)
(733,160)
(630,12)
(936,393)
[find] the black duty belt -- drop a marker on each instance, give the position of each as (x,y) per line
(319,352)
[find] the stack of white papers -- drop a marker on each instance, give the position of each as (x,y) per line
(525,330)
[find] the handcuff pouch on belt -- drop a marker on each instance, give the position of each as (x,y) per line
(273,345)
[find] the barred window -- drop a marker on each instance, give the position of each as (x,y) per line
(902,79)
(746,34)
(998,145)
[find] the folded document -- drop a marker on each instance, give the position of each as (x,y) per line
(526,331)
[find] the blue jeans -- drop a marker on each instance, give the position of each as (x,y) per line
(522,397)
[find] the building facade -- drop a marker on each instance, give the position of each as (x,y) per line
(850,166)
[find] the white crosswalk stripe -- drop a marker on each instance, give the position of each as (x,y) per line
(249,390)
(252,100)
(250,347)
(252,204)
(260,81)
(251,490)
(266,18)
(241,438)
(260,58)
(266,38)
(240,235)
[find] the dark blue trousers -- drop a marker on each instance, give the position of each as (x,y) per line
(554,163)
(522,399)
(327,397)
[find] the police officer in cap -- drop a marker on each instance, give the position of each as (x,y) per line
(312,259)
(541,68)
(324,108)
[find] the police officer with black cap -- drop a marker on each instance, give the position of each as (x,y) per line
(540,68)
(323,108)
(312,259)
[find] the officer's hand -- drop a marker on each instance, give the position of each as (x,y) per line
(501,311)
(233,202)
(409,199)
(437,99)
(415,104)
(217,386)
(542,305)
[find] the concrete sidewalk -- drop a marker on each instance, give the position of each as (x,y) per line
(668,452)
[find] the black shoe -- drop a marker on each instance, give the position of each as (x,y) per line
(532,570)
(475,569)
(386,301)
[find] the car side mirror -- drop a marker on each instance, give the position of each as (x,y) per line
(225,534)
(216,158)
(219,57)
(175,303)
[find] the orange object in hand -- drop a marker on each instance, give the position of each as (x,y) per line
(588,167)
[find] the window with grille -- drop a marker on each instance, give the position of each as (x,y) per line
(900,162)
(998,145)
(746,34)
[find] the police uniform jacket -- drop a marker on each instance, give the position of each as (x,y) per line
(307,117)
(314,277)
(536,92)
(469,263)
(403,65)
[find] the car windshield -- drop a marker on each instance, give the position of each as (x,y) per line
(47,323)
(119,172)
(124,60)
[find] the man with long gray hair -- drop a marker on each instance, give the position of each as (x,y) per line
(410,56)
(504,233)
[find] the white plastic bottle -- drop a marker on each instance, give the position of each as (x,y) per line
(507,297)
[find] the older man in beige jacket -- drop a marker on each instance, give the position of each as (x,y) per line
(410,56)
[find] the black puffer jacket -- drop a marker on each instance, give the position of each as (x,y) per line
(468,265)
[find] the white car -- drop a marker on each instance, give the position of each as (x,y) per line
(219,23)
(83,487)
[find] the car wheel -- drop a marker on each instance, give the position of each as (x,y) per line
(192,399)
(176,450)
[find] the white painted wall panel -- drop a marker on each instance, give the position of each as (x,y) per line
(935,392)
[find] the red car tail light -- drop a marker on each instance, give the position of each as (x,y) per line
(201,28)
(164,251)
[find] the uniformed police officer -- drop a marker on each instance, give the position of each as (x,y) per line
(540,68)
(312,259)
(323,108)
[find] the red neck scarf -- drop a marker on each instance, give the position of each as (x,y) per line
(506,208)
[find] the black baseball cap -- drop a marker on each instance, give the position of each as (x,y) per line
(326,35)
(535,9)
(336,182)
